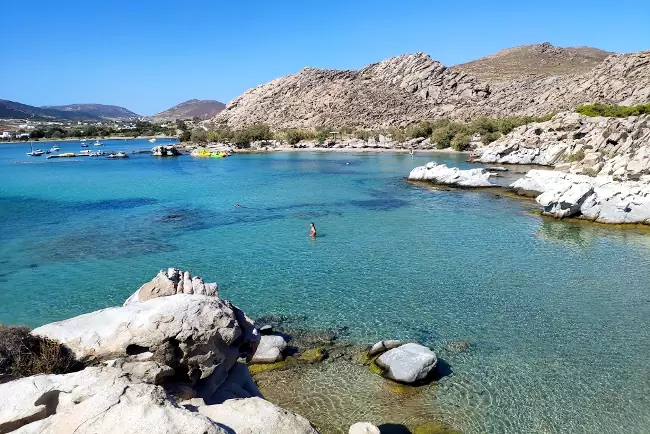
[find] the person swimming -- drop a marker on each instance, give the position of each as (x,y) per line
(312,230)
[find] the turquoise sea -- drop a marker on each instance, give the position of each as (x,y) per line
(557,313)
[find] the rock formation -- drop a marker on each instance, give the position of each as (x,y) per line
(165,362)
(600,198)
(410,88)
(441,174)
(408,363)
(578,144)
(170,282)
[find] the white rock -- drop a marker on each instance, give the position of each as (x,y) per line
(173,281)
(441,174)
(382,346)
(195,331)
(364,428)
(408,363)
(269,349)
(94,401)
(256,416)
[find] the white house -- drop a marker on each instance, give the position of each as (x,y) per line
(6,135)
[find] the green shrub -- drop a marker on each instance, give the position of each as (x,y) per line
(294,136)
(490,137)
(254,132)
(363,134)
(23,355)
(616,111)
(199,135)
(397,134)
(460,141)
(576,156)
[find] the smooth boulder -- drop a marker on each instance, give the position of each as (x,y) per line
(196,333)
(383,346)
(92,401)
(364,428)
(256,416)
(408,363)
(269,349)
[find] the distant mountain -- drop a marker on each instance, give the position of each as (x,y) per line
(541,60)
(96,110)
(204,109)
(16,110)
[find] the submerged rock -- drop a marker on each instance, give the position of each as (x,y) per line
(441,174)
(408,363)
(170,282)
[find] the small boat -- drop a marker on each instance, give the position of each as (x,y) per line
(84,145)
(118,155)
(98,143)
(35,153)
(54,149)
(152,140)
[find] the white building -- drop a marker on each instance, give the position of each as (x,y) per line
(6,135)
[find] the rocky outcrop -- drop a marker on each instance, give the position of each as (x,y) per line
(170,282)
(92,401)
(410,88)
(192,334)
(408,363)
(443,175)
(601,199)
(578,144)
(257,416)
(165,151)
(383,346)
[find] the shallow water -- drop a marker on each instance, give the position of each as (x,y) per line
(557,313)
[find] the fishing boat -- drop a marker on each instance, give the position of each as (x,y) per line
(84,145)
(35,153)
(152,140)
(54,149)
(98,143)
(118,155)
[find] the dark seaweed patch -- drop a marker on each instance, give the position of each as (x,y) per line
(114,204)
(380,204)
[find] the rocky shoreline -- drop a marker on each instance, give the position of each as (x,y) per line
(177,352)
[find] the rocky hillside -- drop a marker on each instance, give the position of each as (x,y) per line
(409,88)
(538,60)
(579,144)
(96,110)
(16,110)
(204,109)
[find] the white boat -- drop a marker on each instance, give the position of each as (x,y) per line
(118,155)
(54,149)
(98,143)
(152,140)
(35,153)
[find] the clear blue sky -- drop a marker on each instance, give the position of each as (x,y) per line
(150,55)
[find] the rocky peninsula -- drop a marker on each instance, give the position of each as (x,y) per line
(173,359)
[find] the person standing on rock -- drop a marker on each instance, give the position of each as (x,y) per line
(312,230)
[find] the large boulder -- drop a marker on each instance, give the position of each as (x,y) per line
(170,282)
(441,174)
(92,401)
(408,363)
(383,346)
(194,334)
(256,416)
(269,349)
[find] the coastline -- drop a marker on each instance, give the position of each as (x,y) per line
(13,142)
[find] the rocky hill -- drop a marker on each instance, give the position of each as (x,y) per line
(538,60)
(96,110)
(410,88)
(204,109)
(16,110)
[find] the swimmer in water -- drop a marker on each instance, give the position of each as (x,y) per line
(312,230)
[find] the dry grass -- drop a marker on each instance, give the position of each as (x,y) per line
(23,355)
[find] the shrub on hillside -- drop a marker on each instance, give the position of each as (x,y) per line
(23,355)
(460,141)
(199,135)
(252,133)
(616,111)
(293,136)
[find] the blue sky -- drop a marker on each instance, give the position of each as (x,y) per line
(148,56)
